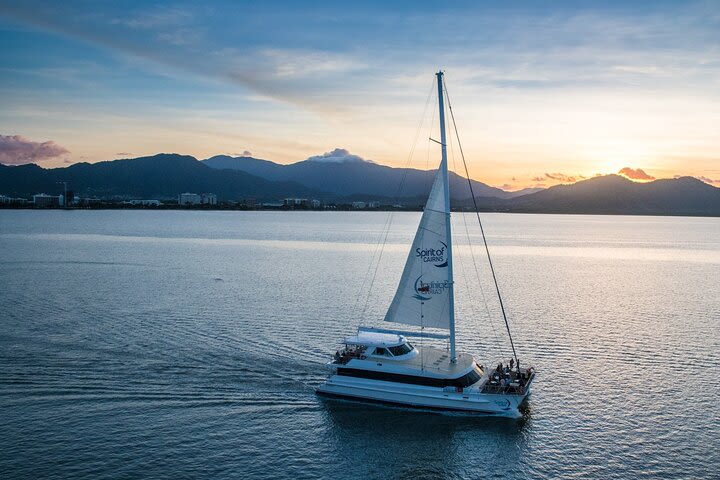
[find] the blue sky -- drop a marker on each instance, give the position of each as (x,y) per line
(559,88)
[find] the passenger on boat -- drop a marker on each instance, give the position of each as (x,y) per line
(512,361)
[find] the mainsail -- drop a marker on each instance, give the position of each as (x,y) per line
(423,296)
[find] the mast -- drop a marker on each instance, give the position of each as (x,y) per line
(446,185)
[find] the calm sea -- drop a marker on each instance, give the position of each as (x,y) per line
(188,345)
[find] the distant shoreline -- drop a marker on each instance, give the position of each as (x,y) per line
(345,210)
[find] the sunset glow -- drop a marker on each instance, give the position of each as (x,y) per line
(543,97)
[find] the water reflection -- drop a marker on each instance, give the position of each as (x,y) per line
(122,355)
(405,443)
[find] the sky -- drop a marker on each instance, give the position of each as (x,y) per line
(543,92)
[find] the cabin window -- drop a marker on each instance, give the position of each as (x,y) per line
(465,381)
(401,349)
(471,377)
(380,351)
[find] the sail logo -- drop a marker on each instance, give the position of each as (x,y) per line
(423,290)
(436,256)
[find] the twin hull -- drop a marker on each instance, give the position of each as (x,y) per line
(471,400)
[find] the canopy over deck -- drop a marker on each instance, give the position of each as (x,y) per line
(374,339)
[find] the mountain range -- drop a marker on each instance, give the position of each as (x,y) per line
(344,178)
(349,175)
(616,195)
(161,176)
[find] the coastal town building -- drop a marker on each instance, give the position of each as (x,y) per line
(5,200)
(144,203)
(185,199)
(189,199)
(208,199)
(44,200)
(295,202)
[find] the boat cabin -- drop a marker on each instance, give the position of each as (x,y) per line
(374,345)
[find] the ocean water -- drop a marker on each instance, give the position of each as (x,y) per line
(185,344)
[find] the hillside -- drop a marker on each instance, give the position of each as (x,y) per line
(160,176)
(616,195)
(356,177)
(164,176)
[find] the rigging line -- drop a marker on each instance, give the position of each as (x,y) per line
(377,264)
(361,313)
(414,145)
(477,271)
(472,255)
(385,228)
(452,156)
(468,292)
(397,198)
(480,285)
(496,337)
(482,230)
(427,158)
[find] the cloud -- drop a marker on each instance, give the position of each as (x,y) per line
(181,37)
(245,153)
(123,154)
(635,174)
(558,177)
(561,177)
(18,150)
(162,17)
(175,38)
(313,60)
(708,180)
(339,155)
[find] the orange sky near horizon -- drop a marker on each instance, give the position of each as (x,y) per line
(542,95)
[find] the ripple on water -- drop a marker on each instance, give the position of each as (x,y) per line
(122,354)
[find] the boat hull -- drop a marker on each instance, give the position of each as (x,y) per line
(470,400)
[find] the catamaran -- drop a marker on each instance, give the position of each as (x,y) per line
(381,365)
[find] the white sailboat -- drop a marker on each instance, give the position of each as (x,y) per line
(381,365)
